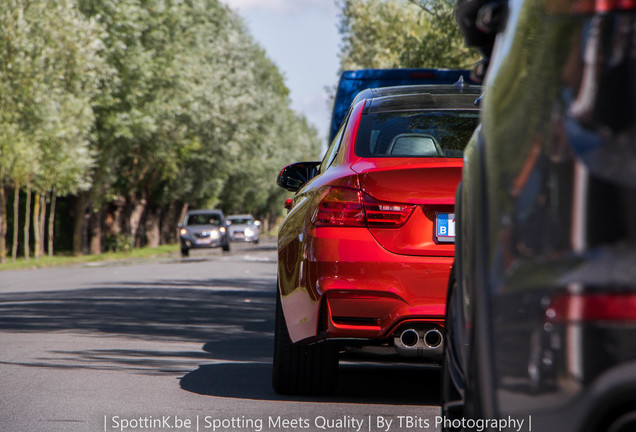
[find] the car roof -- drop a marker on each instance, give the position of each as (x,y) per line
(420,97)
(203,211)
(241,216)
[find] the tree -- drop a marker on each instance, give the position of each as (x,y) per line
(195,103)
(401,33)
(48,76)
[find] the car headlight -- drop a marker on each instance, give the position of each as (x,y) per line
(249,232)
(214,234)
(183,231)
(222,229)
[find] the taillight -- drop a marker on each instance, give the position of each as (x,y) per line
(386,215)
(348,207)
(592,307)
(614,5)
(339,207)
(589,6)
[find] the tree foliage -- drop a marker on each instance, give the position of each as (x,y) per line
(48,76)
(138,109)
(401,33)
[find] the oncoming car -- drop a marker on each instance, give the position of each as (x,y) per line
(365,251)
(243,228)
(203,229)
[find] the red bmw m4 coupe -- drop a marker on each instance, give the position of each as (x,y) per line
(365,252)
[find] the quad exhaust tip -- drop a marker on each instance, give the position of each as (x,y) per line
(423,342)
(409,338)
(433,338)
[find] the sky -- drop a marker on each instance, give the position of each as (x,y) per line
(301,38)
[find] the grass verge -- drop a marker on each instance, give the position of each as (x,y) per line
(61,260)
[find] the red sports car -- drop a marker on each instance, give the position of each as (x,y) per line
(365,252)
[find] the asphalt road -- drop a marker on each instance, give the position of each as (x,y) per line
(176,345)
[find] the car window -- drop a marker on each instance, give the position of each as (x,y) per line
(204,219)
(416,133)
(332,151)
(241,221)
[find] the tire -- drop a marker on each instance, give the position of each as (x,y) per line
(452,403)
(185,252)
(302,369)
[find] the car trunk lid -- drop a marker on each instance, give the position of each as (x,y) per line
(427,184)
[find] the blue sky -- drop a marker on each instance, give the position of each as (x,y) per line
(301,37)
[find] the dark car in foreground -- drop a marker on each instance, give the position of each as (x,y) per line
(243,228)
(203,229)
(365,251)
(541,316)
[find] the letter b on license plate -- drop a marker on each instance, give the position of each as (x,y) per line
(445,227)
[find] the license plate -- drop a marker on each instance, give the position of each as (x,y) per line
(445,227)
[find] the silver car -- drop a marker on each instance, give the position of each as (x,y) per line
(203,229)
(243,228)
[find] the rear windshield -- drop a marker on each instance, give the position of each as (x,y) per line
(204,219)
(416,134)
(241,221)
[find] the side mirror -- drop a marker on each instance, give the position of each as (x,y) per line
(294,176)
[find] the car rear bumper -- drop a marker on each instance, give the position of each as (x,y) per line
(370,299)
(190,243)
(243,238)
(352,288)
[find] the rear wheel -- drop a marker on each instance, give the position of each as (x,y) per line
(302,369)
(452,401)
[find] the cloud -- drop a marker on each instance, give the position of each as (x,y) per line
(284,6)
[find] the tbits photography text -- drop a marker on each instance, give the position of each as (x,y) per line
(345,423)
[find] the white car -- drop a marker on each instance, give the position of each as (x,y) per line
(243,228)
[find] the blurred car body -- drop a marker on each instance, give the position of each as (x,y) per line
(243,228)
(365,251)
(203,229)
(541,316)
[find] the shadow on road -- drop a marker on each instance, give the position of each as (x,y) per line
(169,309)
(357,383)
(232,319)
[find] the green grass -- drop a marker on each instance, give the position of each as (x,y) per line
(61,260)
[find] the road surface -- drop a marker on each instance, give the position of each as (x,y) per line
(176,344)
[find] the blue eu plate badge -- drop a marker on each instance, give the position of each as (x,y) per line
(445,227)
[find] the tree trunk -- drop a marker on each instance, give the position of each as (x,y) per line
(42,222)
(152,225)
(3,224)
(182,213)
(16,222)
(52,221)
(170,219)
(96,231)
(136,213)
(36,225)
(78,227)
(27,224)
